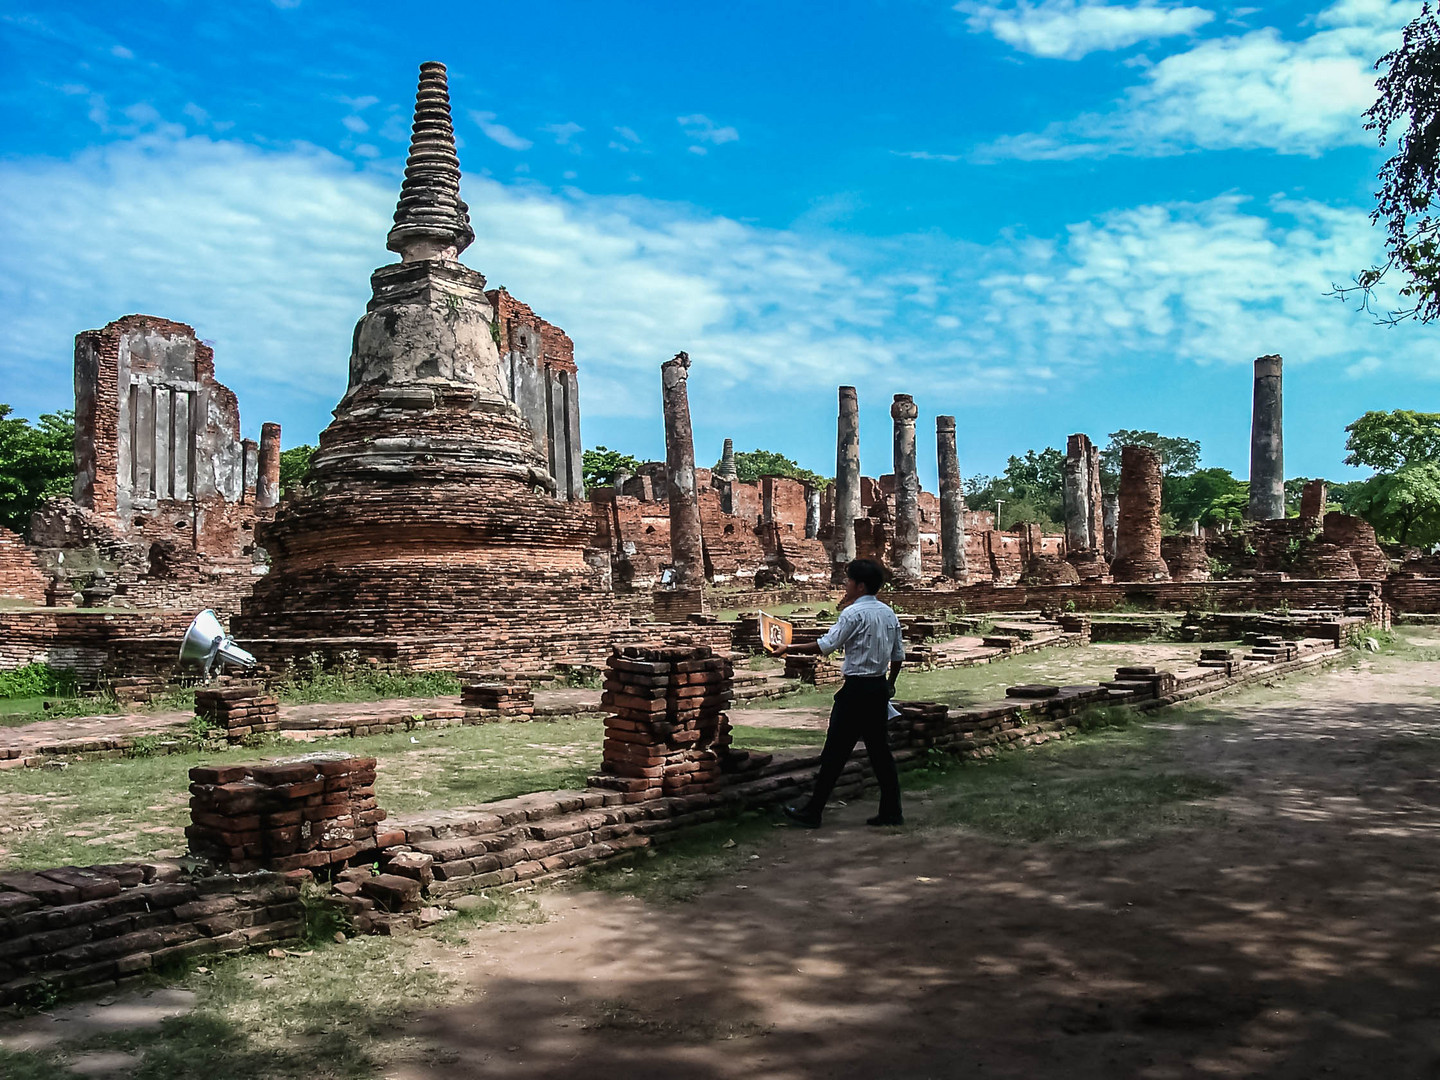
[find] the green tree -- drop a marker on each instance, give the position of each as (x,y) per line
(1404,506)
(1205,495)
(751,465)
(1409,104)
(36,463)
(600,467)
(1389,441)
(1037,487)
(1178,456)
(295,467)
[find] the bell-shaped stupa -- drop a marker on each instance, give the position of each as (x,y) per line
(429,515)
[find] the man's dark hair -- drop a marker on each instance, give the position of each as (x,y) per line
(867,572)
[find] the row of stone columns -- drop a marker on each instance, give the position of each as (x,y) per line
(1127,528)
(905,539)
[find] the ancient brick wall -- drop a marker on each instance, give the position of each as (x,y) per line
(20,575)
(74,927)
(537,363)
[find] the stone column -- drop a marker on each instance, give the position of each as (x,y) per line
(249,468)
(267,481)
(686,553)
(905,546)
(812,512)
(952,501)
(1267,444)
(847,478)
(1110,511)
(1137,535)
(1097,504)
(1078,534)
(726,471)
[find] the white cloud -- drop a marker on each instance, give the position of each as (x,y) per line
(925,155)
(497,132)
(355,124)
(1254,90)
(268,254)
(1070,29)
(563,133)
(701,129)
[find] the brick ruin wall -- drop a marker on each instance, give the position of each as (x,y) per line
(537,367)
(164,505)
(20,575)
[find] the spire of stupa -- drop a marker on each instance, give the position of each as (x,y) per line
(431,220)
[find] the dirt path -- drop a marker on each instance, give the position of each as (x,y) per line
(1296,939)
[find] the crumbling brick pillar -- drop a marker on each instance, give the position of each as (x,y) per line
(847,478)
(686,552)
(1110,511)
(952,501)
(1137,535)
(310,812)
(267,480)
(667,728)
(905,542)
(1267,444)
(1312,500)
(249,468)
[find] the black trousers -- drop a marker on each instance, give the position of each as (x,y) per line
(860,711)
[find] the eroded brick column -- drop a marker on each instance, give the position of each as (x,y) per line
(1267,445)
(1137,533)
(905,546)
(847,477)
(686,552)
(952,501)
(267,481)
(1312,499)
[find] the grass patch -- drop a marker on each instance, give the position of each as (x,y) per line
(770,738)
(336,1012)
(1107,787)
(311,681)
(680,869)
(137,807)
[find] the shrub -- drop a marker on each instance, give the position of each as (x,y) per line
(37,680)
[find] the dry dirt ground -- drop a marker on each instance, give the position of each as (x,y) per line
(1296,936)
(1292,933)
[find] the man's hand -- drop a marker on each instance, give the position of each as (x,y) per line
(779,650)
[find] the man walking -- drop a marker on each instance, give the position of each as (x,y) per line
(869,632)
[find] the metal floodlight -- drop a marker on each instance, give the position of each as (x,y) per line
(206,642)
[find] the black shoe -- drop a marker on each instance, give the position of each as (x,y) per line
(886,819)
(804,818)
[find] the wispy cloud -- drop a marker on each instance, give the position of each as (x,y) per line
(700,129)
(1248,91)
(926,155)
(563,133)
(498,132)
(1070,29)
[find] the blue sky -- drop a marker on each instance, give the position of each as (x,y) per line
(1043,217)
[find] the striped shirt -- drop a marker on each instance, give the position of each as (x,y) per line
(869,632)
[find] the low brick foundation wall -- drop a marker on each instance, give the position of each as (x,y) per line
(70,928)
